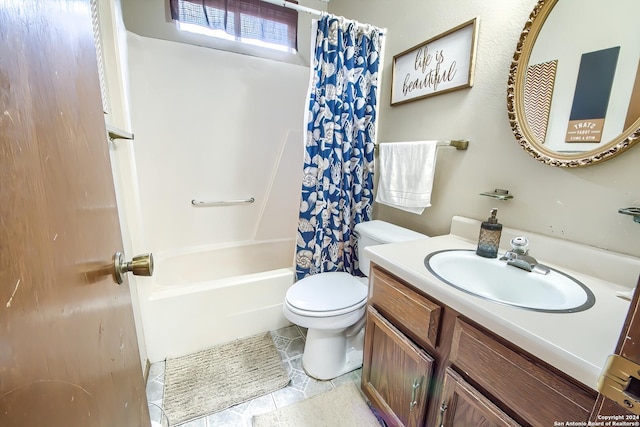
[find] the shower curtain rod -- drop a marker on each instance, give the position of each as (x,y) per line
(305,9)
(295,6)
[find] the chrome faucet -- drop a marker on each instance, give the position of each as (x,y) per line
(519,257)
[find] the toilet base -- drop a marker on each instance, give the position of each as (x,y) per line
(329,354)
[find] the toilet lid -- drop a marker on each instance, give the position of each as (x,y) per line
(327,292)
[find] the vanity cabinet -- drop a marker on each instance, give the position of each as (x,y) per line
(520,382)
(467,375)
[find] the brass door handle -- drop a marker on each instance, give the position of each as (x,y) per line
(141,265)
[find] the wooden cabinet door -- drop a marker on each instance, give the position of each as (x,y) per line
(464,406)
(396,374)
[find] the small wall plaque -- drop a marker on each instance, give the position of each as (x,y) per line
(591,98)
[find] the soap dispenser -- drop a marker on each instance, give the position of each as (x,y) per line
(489,239)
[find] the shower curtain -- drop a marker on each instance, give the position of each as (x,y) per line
(337,187)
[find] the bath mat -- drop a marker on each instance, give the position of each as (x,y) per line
(341,407)
(217,378)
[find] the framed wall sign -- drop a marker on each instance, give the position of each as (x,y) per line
(441,64)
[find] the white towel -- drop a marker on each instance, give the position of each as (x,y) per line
(406,174)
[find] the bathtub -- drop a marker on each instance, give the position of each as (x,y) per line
(207,296)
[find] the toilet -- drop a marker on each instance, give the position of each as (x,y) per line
(332,307)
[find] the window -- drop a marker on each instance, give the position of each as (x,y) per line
(247,21)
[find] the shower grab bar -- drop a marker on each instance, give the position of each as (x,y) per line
(459,144)
(202,203)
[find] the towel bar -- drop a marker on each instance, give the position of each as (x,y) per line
(459,144)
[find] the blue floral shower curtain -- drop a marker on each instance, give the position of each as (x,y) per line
(337,188)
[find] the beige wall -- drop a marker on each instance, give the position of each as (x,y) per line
(580,205)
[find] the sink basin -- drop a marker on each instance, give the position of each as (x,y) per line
(494,280)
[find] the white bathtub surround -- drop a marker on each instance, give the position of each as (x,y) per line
(556,338)
(279,214)
(214,125)
(209,295)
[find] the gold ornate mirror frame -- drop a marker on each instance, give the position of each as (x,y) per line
(515,105)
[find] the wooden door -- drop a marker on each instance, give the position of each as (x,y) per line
(68,349)
(396,373)
(629,348)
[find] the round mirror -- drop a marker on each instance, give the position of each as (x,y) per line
(574,87)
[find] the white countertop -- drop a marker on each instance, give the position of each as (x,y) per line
(575,343)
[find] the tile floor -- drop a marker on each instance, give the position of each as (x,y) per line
(290,343)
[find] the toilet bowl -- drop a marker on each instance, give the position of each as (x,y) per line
(332,307)
(329,304)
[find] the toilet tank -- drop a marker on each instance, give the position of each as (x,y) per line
(378,232)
